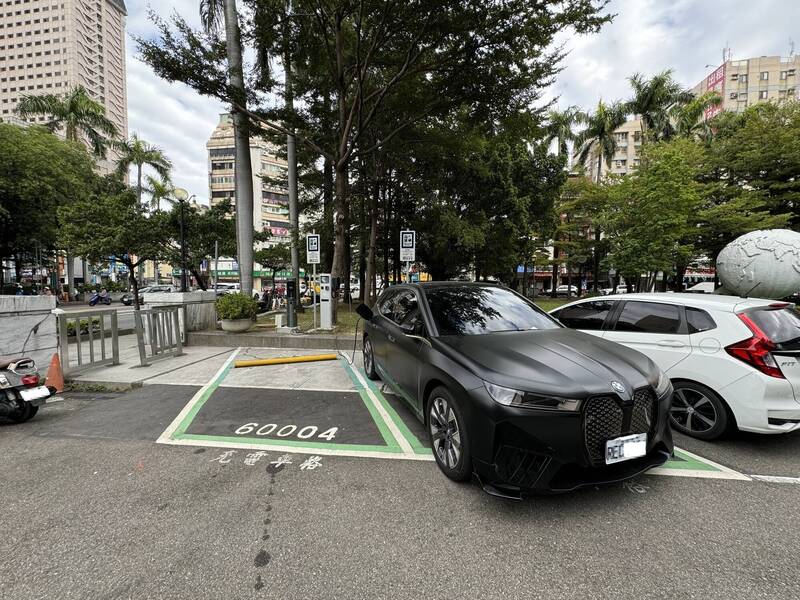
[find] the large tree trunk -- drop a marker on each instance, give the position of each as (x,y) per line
(555,273)
(134,285)
(339,268)
(327,216)
(243,168)
(70,261)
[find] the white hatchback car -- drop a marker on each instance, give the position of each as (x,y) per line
(734,362)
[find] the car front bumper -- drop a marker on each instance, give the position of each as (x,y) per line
(520,450)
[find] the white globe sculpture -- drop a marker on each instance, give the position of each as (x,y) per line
(761,264)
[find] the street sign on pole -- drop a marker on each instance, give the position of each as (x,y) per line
(408,249)
(312,248)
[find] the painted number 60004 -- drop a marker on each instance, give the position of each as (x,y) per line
(303,433)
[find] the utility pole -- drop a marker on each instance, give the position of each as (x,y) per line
(291,156)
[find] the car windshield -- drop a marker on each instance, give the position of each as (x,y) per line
(475,310)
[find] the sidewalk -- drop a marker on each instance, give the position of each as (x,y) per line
(199,363)
(195,366)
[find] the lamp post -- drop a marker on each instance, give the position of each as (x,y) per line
(182,196)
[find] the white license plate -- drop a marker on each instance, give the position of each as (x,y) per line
(34,393)
(626,448)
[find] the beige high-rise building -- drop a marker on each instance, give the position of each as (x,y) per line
(270,196)
(626,157)
(742,83)
(50,46)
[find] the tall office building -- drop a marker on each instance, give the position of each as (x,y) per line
(50,46)
(742,83)
(270,196)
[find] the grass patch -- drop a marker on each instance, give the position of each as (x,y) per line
(548,304)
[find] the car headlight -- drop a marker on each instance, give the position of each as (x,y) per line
(664,385)
(509,397)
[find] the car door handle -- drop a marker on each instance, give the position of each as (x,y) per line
(671,343)
(390,338)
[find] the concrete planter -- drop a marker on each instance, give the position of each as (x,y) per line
(236,325)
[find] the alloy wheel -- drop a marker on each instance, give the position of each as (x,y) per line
(445,433)
(693,411)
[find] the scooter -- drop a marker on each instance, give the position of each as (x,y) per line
(21,389)
(99,298)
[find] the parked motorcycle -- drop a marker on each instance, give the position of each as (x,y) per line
(21,389)
(100,297)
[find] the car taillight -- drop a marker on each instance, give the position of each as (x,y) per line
(30,379)
(756,351)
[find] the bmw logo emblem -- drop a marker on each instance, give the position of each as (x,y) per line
(618,387)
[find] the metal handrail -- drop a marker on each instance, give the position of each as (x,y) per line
(159,328)
(95,359)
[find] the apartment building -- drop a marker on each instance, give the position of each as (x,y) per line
(50,46)
(742,83)
(626,157)
(271,199)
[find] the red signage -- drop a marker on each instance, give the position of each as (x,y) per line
(715,82)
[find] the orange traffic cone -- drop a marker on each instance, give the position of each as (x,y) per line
(55,376)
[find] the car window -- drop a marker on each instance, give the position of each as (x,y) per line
(386,303)
(698,320)
(587,315)
(405,309)
(781,326)
(649,317)
(475,310)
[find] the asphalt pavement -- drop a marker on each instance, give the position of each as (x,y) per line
(93,508)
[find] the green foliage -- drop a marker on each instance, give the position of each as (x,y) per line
(236,306)
(38,174)
(84,326)
(653,212)
(274,258)
(76,113)
(598,136)
(652,100)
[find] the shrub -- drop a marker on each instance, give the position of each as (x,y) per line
(236,306)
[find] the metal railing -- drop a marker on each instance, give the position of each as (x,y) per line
(158,332)
(101,323)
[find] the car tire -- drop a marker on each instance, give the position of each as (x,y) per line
(369,360)
(448,435)
(698,411)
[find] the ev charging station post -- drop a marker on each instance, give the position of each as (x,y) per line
(312,258)
(408,248)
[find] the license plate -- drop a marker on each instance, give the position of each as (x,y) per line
(34,393)
(626,448)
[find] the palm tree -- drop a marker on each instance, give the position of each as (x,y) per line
(560,125)
(212,13)
(689,119)
(599,134)
(159,188)
(138,152)
(599,137)
(77,113)
(652,100)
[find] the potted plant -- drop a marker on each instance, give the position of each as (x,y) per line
(236,311)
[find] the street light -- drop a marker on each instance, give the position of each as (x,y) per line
(182,196)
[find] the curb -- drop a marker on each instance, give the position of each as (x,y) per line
(297,342)
(111,386)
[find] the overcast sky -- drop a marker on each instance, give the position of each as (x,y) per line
(646,36)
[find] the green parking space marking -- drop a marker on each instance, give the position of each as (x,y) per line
(401,426)
(687,464)
(399,443)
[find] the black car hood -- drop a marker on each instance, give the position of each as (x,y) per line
(561,362)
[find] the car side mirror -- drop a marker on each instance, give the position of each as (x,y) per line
(365,312)
(416,329)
